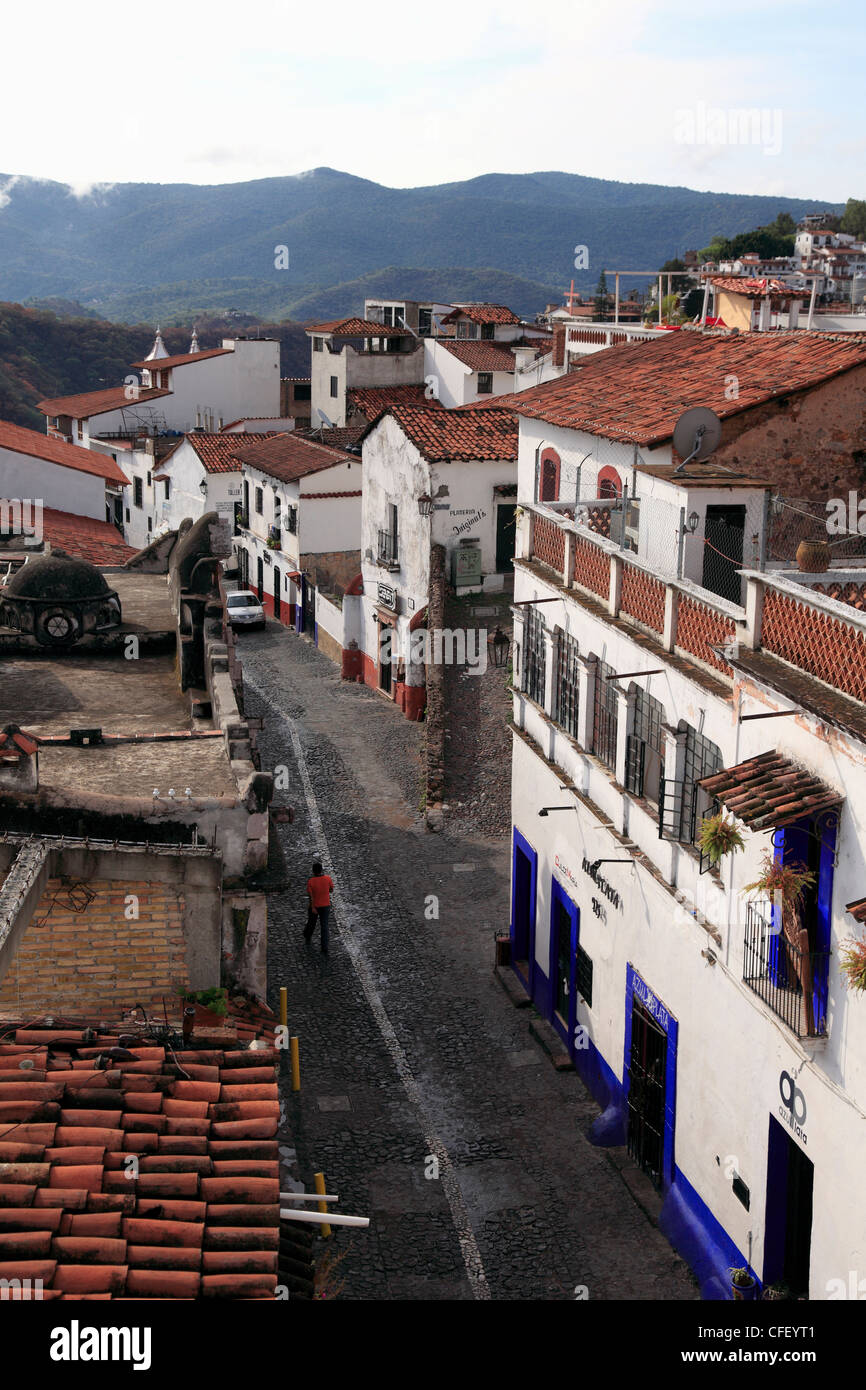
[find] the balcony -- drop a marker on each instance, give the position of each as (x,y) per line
(275,538)
(791,982)
(387,550)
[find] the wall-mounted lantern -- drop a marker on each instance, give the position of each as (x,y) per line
(499,646)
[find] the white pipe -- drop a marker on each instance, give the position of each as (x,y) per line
(323,1218)
(306,1197)
(704,308)
(812,300)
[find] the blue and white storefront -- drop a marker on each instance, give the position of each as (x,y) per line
(741,1124)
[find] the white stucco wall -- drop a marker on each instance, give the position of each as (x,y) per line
(65,489)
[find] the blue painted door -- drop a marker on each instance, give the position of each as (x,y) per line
(564,919)
(524,875)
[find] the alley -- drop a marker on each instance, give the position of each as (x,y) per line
(425,1101)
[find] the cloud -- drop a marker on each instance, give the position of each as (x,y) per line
(6,189)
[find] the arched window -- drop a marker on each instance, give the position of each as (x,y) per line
(609,482)
(549,465)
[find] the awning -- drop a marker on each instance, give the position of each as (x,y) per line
(770,791)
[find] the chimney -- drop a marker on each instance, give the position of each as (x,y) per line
(559,345)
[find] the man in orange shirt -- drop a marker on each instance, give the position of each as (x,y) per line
(319,890)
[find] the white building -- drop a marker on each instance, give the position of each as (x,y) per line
(355,352)
(431,476)
(200,389)
(59,475)
(299,527)
(200,474)
(661,677)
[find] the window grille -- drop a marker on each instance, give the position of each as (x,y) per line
(567,690)
(645,748)
(533,664)
(604,721)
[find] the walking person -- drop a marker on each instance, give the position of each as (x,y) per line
(319,890)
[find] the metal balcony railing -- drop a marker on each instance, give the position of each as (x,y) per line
(791,982)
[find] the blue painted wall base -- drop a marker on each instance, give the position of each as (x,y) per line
(704,1244)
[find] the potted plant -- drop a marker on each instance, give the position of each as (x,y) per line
(211,1005)
(743,1286)
(719,836)
(786,885)
(776,1293)
(852,963)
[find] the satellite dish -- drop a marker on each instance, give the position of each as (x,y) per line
(696,435)
(324,419)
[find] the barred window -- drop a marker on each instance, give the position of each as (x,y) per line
(533,660)
(645,748)
(702,759)
(567,684)
(604,715)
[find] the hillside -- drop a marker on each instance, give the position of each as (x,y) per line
(43,355)
(159,250)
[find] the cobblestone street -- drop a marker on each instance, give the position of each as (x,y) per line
(410,1049)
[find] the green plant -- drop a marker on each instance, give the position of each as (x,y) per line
(719,836)
(786,885)
(741,1278)
(852,963)
(215,998)
(777,1293)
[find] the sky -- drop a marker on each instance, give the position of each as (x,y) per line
(764,97)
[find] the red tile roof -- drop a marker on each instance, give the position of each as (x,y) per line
(96,541)
(638,393)
(357,328)
(371,400)
(755,289)
(12,738)
(89,403)
(770,791)
(197,1213)
(443,436)
(337,437)
(481,357)
(216,451)
(482,313)
(42,446)
(285,457)
(158,363)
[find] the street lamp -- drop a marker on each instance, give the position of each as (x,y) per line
(425,505)
(594,866)
(500,646)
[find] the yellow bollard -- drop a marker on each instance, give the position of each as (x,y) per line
(319,1182)
(284,1007)
(296,1066)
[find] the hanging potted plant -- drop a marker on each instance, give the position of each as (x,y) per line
(743,1286)
(852,963)
(719,836)
(786,886)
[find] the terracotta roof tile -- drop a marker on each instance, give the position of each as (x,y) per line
(87,403)
(357,328)
(289,458)
(371,400)
(770,791)
(755,288)
(180,359)
(444,435)
(480,356)
(482,313)
(41,446)
(638,392)
(71,1216)
(217,452)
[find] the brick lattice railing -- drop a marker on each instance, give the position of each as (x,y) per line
(817,642)
(548,543)
(642,598)
(591,567)
(698,626)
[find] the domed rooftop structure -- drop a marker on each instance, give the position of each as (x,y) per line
(58,599)
(58,577)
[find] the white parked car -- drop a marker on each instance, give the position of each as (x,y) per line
(245,609)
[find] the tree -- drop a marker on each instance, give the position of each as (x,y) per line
(678,282)
(602,298)
(854,218)
(784,224)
